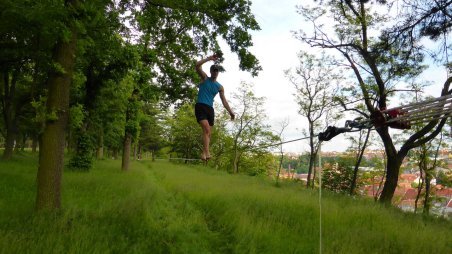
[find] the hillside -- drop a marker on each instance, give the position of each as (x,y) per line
(160,207)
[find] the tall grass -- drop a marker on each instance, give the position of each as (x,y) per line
(160,207)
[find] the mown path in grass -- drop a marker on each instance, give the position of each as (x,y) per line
(160,207)
(254,216)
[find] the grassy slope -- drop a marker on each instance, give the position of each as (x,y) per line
(166,208)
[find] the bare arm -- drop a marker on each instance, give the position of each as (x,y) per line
(199,64)
(225,103)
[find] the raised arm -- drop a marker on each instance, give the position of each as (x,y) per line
(225,103)
(199,64)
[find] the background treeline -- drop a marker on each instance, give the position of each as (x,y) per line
(92,77)
(116,78)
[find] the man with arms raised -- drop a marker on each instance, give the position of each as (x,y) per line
(204,111)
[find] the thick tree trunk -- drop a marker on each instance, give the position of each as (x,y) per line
(9,144)
(126,152)
(392,178)
(9,90)
(53,139)
(392,167)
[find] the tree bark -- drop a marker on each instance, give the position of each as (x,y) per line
(392,166)
(9,117)
(428,178)
(279,168)
(419,190)
(126,151)
(52,140)
(312,154)
(358,162)
(392,178)
(311,166)
(9,143)
(236,161)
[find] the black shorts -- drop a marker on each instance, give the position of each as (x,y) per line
(204,112)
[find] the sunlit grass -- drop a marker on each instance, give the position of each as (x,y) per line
(160,207)
(264,218)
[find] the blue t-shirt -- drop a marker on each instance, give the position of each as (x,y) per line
(208,89)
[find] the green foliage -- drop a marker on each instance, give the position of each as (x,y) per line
(109,113)
(260,164)
(444,179)
(40,109)
(381,44)
(76,116)
(337,177)
(249,131)
(42,115)
(57,68)
(299,164)
(166,208)
(133,113)
(83,159)
(185,132)
(152,129)
(174,33)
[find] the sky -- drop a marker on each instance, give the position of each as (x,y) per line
(276,48)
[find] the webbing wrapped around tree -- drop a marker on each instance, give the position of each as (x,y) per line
(399,117)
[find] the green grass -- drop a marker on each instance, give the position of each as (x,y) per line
(160,207)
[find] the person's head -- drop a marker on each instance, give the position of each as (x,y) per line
(214,70)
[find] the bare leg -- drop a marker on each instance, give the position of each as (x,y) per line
(206,131)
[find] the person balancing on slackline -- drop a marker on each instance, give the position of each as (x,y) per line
(208,89)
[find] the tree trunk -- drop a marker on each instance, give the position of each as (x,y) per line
(135,151)
(311,165)
(100,145)
(9,144)
(126,152)
(139,151)
(279,168)
(9,89)
(23,143)
(428,178)
(312,155)
(52,140)
(115,153)
(394,160)
(358,162)
(236,161)
(34,144)
(19,143)
(392,178)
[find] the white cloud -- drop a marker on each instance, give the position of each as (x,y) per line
(276,49)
